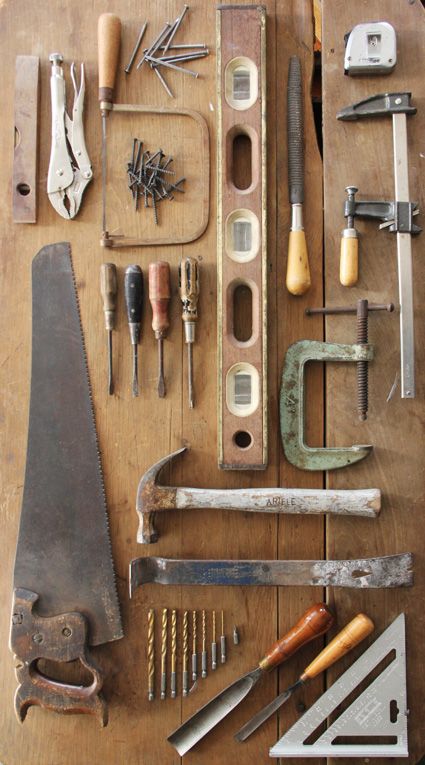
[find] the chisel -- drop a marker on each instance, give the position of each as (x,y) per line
(133,291)
(352,634)
(109,288)
(298,279)
(314,622)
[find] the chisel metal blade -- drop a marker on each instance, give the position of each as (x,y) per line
(387,571)
(63,551)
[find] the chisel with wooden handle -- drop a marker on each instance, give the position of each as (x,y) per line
(298,279)
(314,622)
(352,634)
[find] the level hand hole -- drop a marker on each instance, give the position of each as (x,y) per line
(242,439)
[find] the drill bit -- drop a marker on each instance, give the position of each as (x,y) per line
(213,644)
(159,296)
(204,645)
(235,635)
(223,640)
(189,293)
(151,654)
(194,657)
(185,671)
(173,652)
(164,652)
(108,289)
(133,289)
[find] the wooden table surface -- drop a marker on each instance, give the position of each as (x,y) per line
(134,433)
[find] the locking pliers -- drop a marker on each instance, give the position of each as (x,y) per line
(70,168)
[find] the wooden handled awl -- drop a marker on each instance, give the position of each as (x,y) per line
(108,289)
(314,622)
(159,296)
(352,634)
(298,278)
(108,41)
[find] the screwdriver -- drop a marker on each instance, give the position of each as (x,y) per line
(352,634)
(133,291)
(189,293)
(109,289)
(159,296)
(109,39)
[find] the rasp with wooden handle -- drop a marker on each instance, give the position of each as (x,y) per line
(65,598)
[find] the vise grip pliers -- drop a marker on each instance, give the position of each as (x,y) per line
(70,168)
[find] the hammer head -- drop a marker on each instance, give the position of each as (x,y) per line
(152,498)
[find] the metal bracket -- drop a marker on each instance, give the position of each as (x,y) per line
(378,106)
(292,406)
(395,216)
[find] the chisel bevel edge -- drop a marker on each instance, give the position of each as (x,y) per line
(386,571)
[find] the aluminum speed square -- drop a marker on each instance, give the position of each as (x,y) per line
(375,723)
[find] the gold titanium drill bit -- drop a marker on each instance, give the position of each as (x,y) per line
(223,640)
(213,644)
(204,645)
(164,652)
(189,293)
(185,679)
(151,654)
(173,652)
(194,658)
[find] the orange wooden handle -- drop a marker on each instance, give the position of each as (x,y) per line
(298,279)
(159,296)
(356,631)
(314,622)
(108,41)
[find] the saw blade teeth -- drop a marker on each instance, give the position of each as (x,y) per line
(99,456)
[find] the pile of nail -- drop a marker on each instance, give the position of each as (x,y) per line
(156,55)
(150,177)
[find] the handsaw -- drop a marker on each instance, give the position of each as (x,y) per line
(65,597)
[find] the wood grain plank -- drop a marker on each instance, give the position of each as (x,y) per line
(361,154)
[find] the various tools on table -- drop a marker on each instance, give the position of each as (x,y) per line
(176,638)
(152,498)
(189,295)
(370,48)
(352,634)
(64,583)
(241,237)
(386,571)
(361,310)
(293,401)
(148,179)
(313,623)
(133,290)
(70,169)
(159,296)
(109,40)
(396,216)
(165,52)
(24,177)
(109,290)
(298,279)
(375,722)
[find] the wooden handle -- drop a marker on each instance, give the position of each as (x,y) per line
(314,622)
(298,279)
(349,261)
(159,296)
(108,41)
(108,286)
(133,292)
(353,634)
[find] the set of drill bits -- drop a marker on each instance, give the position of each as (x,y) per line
(165,52)
(150,178)
(190,632)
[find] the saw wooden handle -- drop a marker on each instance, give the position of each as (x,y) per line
(314,622)
(354,632)
(108,41)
